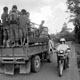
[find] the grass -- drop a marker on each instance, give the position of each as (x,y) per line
(78,61)
(77,49)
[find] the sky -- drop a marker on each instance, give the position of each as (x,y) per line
(52,11)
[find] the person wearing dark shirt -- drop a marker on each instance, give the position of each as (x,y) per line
(13,17)
(4,16)
(24,21)
(5,25)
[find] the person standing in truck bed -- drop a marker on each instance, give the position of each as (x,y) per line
(23,21)
(5,16)
(14,24)
(5,24)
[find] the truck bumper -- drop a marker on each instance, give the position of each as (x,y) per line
(9,68)
(14,60)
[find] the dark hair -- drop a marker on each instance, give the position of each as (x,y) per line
(42,21)
(5,9)
(23,11)
(14,6)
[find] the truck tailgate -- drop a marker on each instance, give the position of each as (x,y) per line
(6,52)
(18,51)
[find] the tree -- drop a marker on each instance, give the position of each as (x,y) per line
(74,9)
(64,28)
(69,36)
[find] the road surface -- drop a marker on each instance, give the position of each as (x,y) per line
(49,71)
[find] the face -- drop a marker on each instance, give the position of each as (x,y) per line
(6,11)
(62,42)
(42,22)
(28,15)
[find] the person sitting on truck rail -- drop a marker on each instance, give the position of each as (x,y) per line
(39,30)
(43,30)
(41,26)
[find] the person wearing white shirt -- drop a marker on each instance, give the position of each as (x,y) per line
(63,47)
(51,47)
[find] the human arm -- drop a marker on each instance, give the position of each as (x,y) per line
(2,17)
(68,48)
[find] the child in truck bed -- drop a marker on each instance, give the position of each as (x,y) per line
(5,26)
(24,21)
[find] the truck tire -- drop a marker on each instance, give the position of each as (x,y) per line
(35,64)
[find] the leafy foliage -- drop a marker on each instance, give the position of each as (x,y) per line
(69,36)
(74,8)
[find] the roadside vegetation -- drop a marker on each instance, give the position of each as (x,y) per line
(74,9)
(69,36)
(77,49)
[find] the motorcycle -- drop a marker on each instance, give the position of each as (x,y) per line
(63,61)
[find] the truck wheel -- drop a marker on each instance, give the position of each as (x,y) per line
(35,64)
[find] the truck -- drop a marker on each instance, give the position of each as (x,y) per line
(26,58)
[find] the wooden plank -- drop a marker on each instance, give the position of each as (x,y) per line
(20,51)
(37,49)
(36,40)
(7,51)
